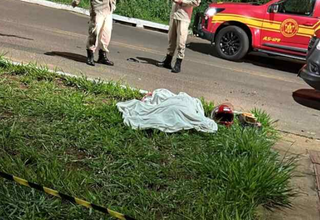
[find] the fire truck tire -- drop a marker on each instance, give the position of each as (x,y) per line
(232,43)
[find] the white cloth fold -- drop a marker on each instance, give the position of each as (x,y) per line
(167,112)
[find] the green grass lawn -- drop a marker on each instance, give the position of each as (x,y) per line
(67,134)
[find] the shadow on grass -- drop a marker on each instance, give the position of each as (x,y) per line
(67,55)
(257,59)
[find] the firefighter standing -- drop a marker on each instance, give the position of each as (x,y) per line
(180,19)
(100,28)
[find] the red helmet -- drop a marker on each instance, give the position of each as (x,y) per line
(223,114)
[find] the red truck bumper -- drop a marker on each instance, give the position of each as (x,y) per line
(199,28)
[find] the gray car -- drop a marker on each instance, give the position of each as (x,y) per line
(310,72)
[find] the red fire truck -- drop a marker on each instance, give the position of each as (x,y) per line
(279,27)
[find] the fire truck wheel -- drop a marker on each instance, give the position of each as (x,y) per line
(232,43)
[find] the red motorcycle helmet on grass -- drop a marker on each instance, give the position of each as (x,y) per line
(223,114)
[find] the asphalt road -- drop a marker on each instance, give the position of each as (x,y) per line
(56,38)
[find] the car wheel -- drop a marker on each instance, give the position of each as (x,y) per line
(232,43)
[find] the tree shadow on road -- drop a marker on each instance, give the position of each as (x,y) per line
(67,55)
(257,59)
(15,36)
(307,97)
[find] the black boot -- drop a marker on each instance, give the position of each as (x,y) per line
(103,59)
(177,66)
(90,58)
(166,63)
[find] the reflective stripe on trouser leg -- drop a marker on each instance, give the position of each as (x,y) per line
(172,37)
(105,34)
(182,36)
(95,26)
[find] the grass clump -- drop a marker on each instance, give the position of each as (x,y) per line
(67,134)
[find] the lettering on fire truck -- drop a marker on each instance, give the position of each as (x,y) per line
(272,39)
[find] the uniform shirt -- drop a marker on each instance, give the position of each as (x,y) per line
(183,11)
(103,6)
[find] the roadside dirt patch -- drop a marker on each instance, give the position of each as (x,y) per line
(6,115)
(60,83)
(306,205)
(15,79)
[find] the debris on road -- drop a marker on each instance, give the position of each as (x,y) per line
(133,60)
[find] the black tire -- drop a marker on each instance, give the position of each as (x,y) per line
(232,43)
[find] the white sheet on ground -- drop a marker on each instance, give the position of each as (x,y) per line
(167,112)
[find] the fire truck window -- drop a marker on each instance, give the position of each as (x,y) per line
(297,7)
